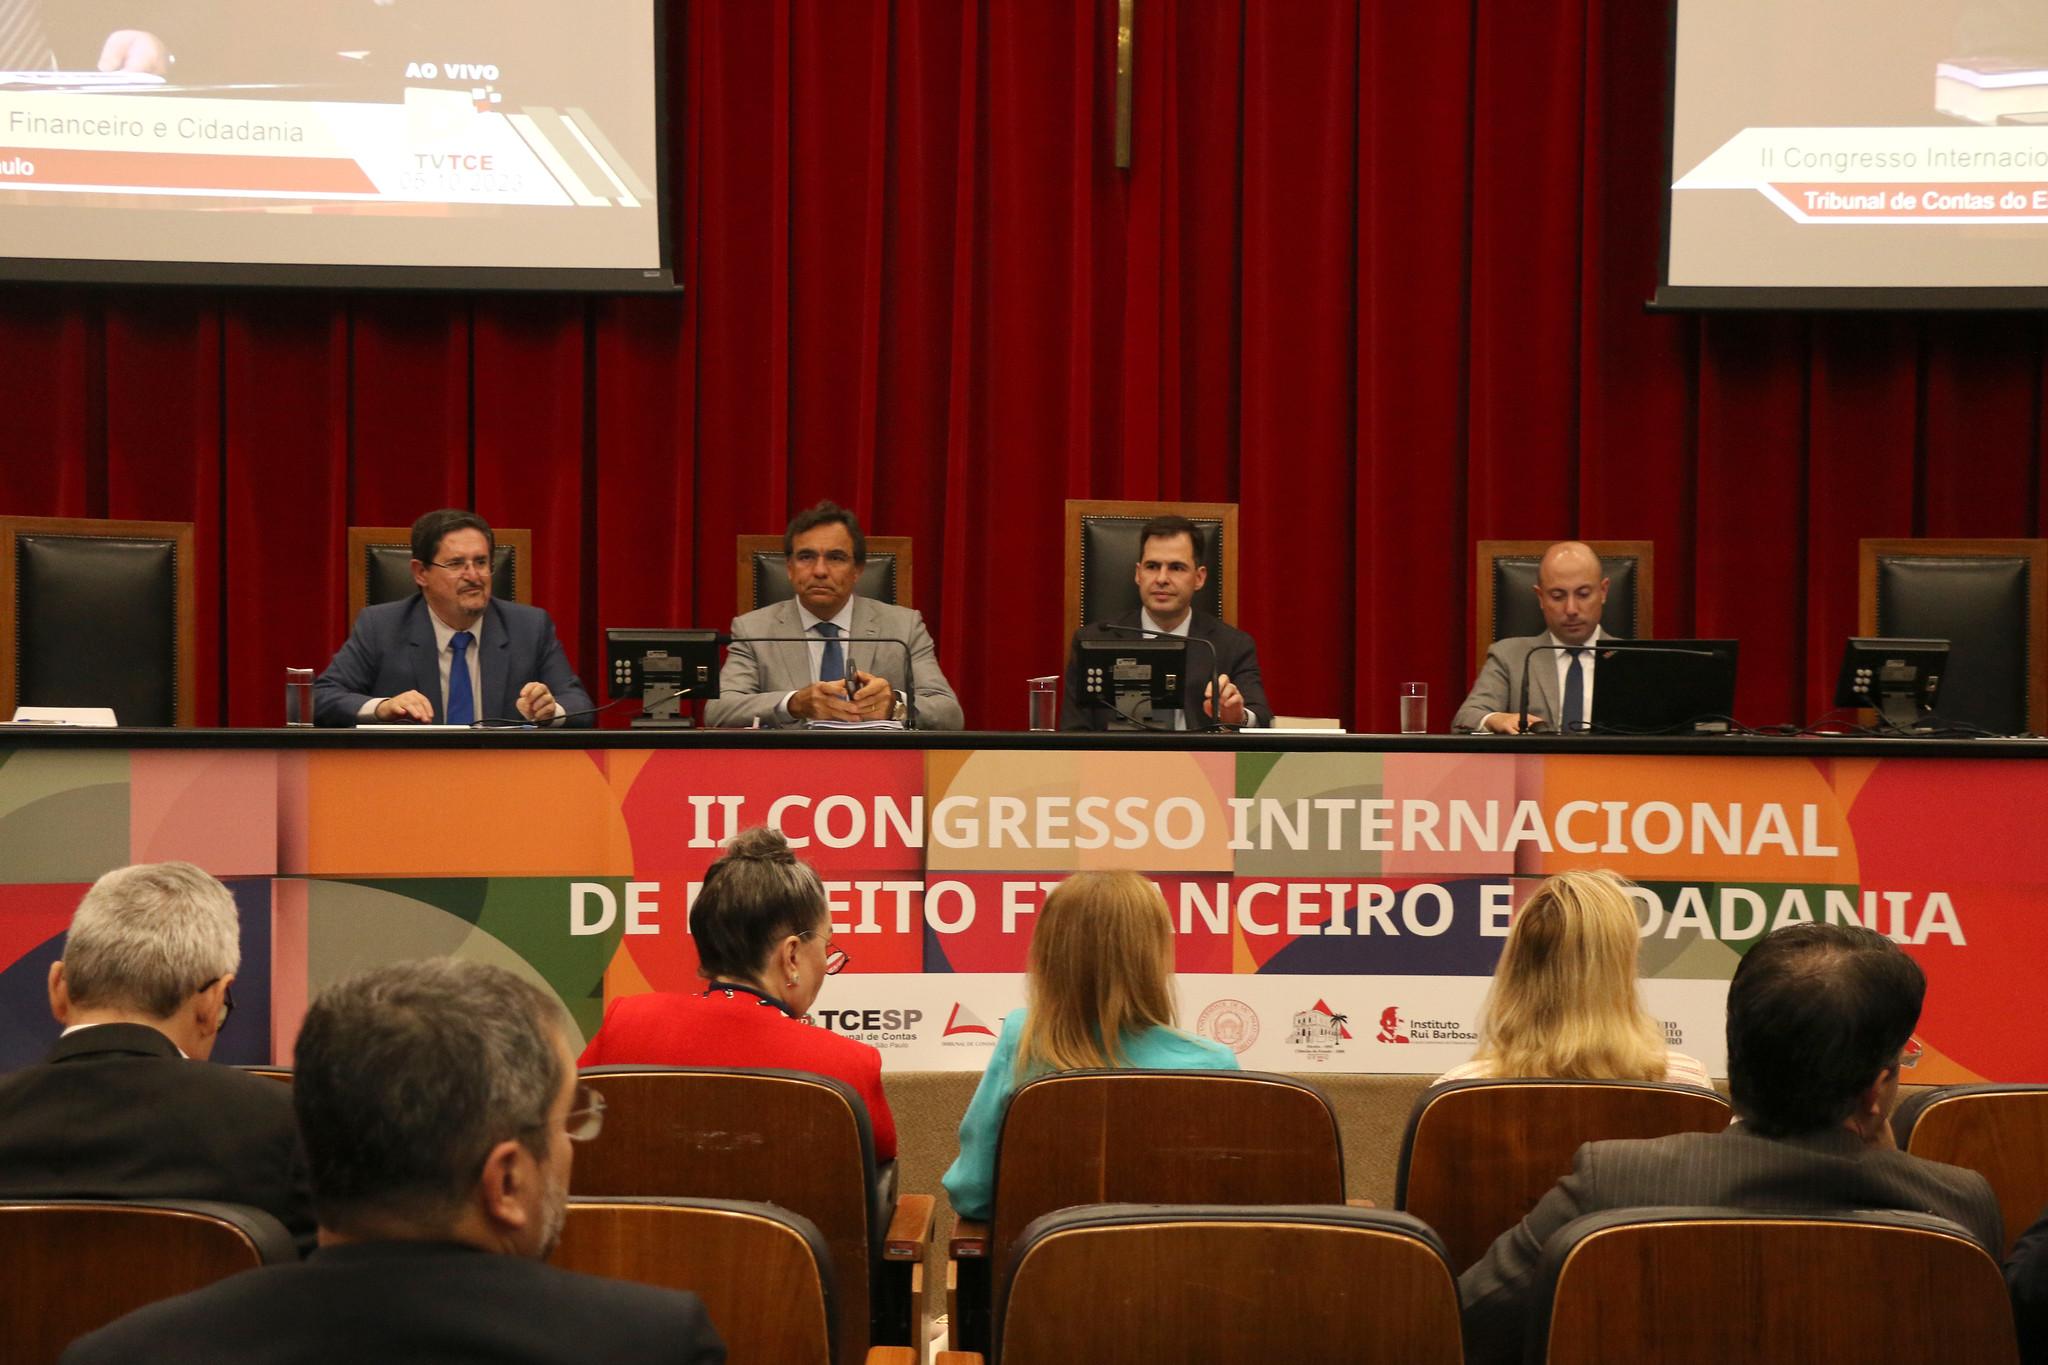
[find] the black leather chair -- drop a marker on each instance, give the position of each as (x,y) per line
(97,613)
(1504,598)
(1989,600)
(380,565)
(1102,551)
(763,579)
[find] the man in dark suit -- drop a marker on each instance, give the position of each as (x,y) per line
(1169,574)
(126,1106)
(452,654)
(1818,1017)
(439,1102)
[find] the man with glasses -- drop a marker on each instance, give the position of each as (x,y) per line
(126,1105)
(439,1103)
(452,654)
(828,654)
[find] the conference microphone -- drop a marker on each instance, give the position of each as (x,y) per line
(1601,647)
(1209,721)
(848,641)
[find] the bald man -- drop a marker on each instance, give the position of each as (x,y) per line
(1572,591)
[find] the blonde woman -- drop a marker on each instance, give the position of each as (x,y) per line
(1100,985)
(1565,1001)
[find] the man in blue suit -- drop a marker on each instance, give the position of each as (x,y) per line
(451,655)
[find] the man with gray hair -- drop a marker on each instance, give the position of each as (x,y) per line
(439,1101)
(126,1106)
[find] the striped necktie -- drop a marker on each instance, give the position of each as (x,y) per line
(23,45)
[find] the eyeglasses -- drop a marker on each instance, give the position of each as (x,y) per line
(227,999)
(835,958)
(805,559)
(482,564)
(586,1119)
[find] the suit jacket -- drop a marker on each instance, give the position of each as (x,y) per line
(397,1302)
(2026,1274)
(1499,685)
(1828,1172)
(116,1113)
(1236,655)
(756,676)
(391,649)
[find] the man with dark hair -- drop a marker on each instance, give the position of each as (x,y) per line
(451,654)
(1818,1016)
(439,1102)
(1222,681)
(826,653)
(127,1106)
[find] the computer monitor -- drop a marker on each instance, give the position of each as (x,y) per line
(1135,679)
(1901,678)
(665,669)
(1661,687)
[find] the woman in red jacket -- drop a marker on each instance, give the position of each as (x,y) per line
(764,946)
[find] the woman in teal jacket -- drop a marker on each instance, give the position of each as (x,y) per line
(1100,983)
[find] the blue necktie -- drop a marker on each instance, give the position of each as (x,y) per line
(1574,693)
(832,665)
(461,701)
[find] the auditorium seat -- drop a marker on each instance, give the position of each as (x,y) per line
(1705,1286)
(2000,1131)
(1102,557)
(763,579)
(73,1265)
(1477,1155)
(1989,600)
(1504,590)
(1114,1136)
(380,565)
(281,1074)
(132,582)
(792,1138)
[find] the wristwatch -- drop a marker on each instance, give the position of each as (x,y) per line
(899,710)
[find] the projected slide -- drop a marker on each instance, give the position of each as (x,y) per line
(1820,145)
(441,134)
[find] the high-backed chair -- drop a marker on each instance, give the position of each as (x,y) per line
(1999,1131)
(1504,590)
(1227,1285)
(1142,1137)
(73,1265)
(1102,555)
(380,565)
(795,1139)
(1703,1286)
(1477,1155)
(97,613)
(886,577)
(1988,599)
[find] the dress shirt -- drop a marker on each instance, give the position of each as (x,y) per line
(816,647)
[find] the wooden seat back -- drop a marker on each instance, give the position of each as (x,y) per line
(2000,1131)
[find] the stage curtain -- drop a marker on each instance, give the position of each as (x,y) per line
(1377,274)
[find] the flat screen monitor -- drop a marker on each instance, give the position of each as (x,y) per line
(413,143)
(1139,681)
(1899,678)
(1661,687)
(664,668)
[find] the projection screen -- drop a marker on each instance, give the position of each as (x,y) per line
(432,143)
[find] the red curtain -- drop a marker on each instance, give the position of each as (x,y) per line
(1377,275)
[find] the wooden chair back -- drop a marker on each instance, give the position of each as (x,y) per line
(380,565)
(1989,599)
(1227,1285)
(793,1139)
(1161,1137)
(1504,600)
(1103,549)
(72,1266)
(1999,1131)
(885,577)
(1477,1155)
(763,1272)
(1710,1286)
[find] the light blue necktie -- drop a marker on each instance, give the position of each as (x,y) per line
(461,701)
(832,664)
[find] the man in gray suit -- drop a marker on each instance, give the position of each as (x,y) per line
(1572,591)
(1818,1017)
(829,654)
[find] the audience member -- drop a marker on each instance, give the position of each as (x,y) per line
(1818,1015)
(126,1105)
(1571,590)
(2026,1272)
(1565,1001)
(438,1101)
(764,942)
(1099,980)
